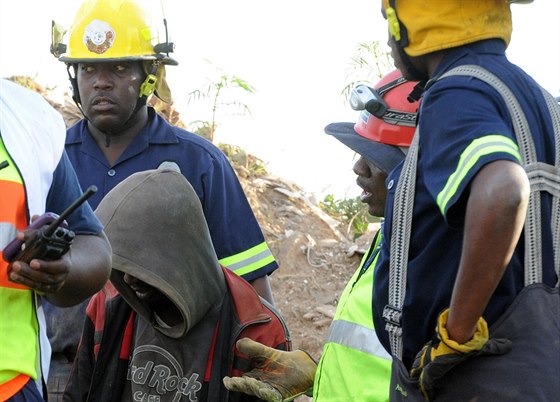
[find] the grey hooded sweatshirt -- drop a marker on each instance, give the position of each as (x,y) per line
(127,351)
(159,235)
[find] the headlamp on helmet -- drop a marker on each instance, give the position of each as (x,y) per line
(382,133)
(394,120)
(365,98)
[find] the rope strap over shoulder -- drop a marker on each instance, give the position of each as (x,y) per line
(400,242)
(542,177)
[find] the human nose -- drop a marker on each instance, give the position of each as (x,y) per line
(361,168)
(103,79)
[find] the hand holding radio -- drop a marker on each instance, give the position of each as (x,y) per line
(47,239)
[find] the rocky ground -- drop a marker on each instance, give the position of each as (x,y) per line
(315,255)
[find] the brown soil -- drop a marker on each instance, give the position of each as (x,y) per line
(316,259)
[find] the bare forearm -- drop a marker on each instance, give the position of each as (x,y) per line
(494,220)
(89,259)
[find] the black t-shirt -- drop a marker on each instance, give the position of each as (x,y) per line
(167,369)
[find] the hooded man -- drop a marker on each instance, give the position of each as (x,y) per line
(170,331)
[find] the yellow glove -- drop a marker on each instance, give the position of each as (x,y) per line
(276,376)
(441,354)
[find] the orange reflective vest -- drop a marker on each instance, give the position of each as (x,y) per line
(31,144)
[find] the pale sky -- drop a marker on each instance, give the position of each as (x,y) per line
(296,53)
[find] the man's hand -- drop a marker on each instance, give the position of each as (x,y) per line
(42,276)
(441,354)
(277,376)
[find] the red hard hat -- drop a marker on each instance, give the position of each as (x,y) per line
(379,138)
(397,125)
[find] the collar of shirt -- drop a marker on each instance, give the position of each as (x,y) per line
(454,56)
(157,131)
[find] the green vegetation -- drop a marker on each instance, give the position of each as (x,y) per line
(350,211)
(218,92)
(245,164)
(368,65)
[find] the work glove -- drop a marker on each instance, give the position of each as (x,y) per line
(441,354)
(276,376)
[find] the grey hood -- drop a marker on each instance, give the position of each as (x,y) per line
(159,234)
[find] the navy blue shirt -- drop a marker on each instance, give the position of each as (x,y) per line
(464,125)
(236,235)
(65,189)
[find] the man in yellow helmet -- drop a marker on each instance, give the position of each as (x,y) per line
(456,280)
(115,61)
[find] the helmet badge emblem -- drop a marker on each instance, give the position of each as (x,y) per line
(99,36)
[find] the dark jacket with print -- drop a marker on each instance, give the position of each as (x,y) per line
(159,235)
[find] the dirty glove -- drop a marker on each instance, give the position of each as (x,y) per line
(276,376)
(442,354)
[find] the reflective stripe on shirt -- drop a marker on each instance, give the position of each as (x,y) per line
(478,148)
(249,260)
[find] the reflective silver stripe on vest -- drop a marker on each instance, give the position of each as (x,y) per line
(357,337)
(7,233)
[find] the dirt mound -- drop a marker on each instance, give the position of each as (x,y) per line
(316,259)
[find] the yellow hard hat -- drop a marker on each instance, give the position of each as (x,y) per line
(108,30)
(420,27)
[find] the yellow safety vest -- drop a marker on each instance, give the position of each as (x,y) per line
(354,365)
(31,144)
(18,324)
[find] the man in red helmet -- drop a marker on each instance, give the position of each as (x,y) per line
(354,366)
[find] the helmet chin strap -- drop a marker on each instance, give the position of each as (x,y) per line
(414,73)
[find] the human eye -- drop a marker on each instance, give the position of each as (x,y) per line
(87,68)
